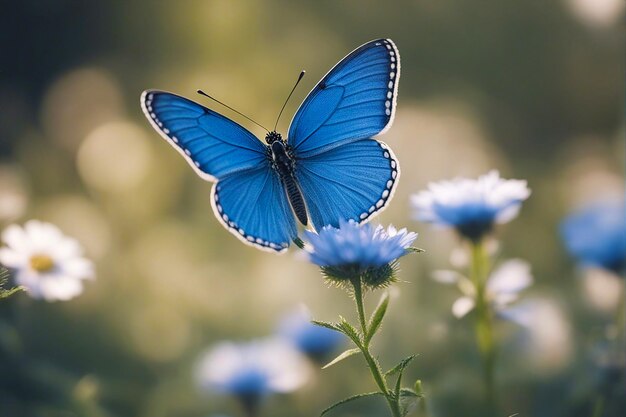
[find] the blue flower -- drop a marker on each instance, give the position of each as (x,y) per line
(354,251)
(251,371)
(314,341)
(471,206)
(596,235)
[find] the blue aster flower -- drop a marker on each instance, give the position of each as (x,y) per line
(472,207)
(596,235)
(353,251)
(251,371)
(314,341)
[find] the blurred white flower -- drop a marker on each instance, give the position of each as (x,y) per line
(597,12)
(253,370)
(603,290)
(502,288)
(47,263)
(471,206)
(547,340)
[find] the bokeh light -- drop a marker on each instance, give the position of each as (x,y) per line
(532,89)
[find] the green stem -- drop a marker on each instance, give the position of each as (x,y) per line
(358,298)
(617,349)
(372,363)
(484,321)
(598,406)
(620,322)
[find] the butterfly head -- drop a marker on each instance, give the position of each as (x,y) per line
(272,137)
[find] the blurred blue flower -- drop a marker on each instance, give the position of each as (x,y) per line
(253,370)
(470,206)
(314,341)
(353,251)
(596,235)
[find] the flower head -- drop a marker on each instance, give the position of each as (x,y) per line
(596,235)
(47,264)
(312,340)
(471,206)
(545,342)
(253,370)
(502,288)
(352,251)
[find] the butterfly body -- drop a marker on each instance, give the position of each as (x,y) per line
(330,167)
(284,164)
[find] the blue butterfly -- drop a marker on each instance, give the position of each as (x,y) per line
(329,167)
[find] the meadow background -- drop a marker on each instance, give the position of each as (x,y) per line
(532,88)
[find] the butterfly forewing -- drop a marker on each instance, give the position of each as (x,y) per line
(212,144)
(355,100)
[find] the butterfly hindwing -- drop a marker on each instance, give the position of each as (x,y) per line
(352,181)
(212,144)
(355,100)
(254,207)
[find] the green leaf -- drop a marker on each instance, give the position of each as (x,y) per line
(409,397)
(399,369)
(331,326)
(415,250)
(377,318)
(4,278)
(408,392)
(400,366)
(396,391)
(341,357)
(408,400)
(350,331)
(347,400)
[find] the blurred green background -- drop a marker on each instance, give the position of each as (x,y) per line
(533,88)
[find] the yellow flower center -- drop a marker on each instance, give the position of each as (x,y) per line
(41,263)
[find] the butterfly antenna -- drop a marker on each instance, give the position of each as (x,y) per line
(289,96)
(202,93)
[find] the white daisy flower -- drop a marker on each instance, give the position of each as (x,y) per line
(470,206)
(502,288)
(251,371)
(48,264)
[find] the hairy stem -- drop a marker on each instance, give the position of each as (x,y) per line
(372,363)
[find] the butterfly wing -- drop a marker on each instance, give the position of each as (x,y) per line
(355,100)
(354,181)
(212,144)
(247,197)
(253,206)
(342,172)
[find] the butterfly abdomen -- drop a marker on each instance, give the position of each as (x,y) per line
(284,166)
(295,198)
